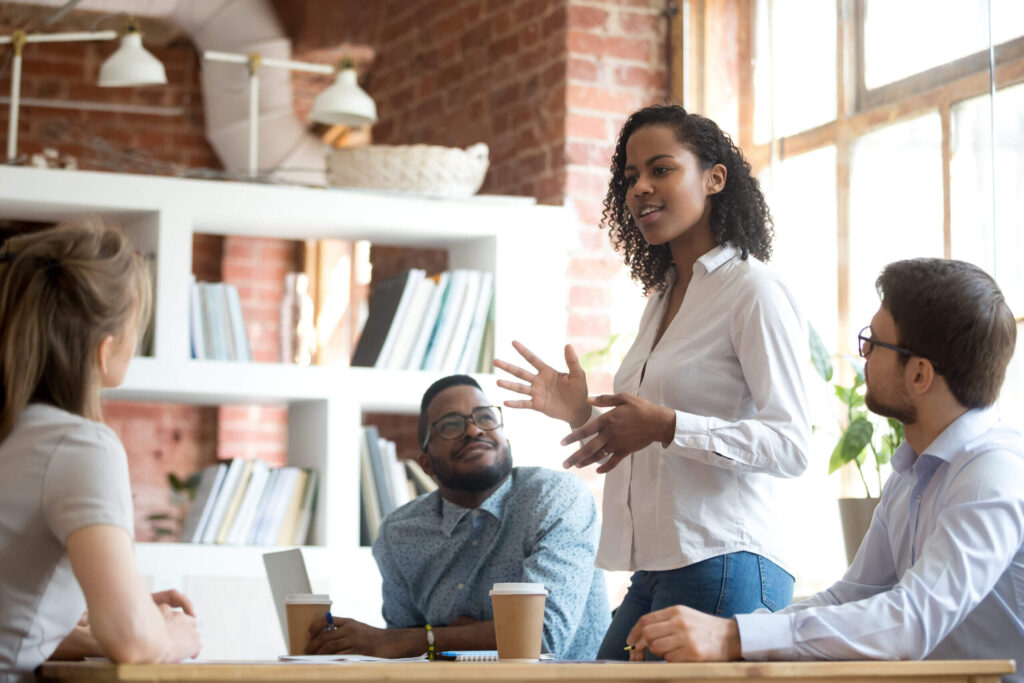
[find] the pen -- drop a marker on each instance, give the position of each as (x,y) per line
(628,648)
(330,621)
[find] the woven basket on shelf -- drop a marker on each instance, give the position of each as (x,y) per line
(426,169)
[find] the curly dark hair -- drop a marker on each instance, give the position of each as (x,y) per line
(739,213)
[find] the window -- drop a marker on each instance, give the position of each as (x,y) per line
(880,130)
(943,31)
(895,204)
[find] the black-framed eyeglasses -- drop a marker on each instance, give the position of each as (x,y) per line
(452,426)
(868,342)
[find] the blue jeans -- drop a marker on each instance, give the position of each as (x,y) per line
(737,583)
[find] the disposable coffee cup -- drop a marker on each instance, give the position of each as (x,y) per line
(302,610)
(518,620)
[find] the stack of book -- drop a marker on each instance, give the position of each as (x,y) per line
(441,323)
(245,502)
(385,482)
(217,325)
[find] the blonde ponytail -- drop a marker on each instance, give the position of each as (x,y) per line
(62,291)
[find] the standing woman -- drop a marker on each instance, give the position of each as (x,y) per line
(709,405)
(72,301)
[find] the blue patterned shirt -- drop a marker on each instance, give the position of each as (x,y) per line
(438,560)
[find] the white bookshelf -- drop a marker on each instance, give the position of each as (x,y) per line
(523,244)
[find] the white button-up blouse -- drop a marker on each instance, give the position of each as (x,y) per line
(731,365)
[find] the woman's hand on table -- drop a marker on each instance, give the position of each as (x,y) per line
(633,423)
(561,395)
(174,598)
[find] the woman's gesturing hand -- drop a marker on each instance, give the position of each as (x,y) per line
(560,395)
(632,424)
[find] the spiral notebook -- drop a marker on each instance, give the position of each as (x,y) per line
(478,655)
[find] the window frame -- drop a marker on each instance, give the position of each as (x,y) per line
(858,109)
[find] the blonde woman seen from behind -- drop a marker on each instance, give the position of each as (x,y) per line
(72,304)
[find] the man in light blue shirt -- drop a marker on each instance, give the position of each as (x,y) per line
(941,570)
(488,522)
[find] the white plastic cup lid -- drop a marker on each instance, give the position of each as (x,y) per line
(518,589)
(307,599)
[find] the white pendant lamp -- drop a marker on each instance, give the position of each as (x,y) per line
(132,64)
(344,102)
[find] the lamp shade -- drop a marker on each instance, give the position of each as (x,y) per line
(344,102)
(132,64)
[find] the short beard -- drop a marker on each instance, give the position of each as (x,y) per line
(479,479)
(905,411)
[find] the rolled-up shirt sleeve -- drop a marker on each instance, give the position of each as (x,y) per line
(398,606)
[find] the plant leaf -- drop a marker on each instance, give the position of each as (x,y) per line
(162,531)
(158,517)
(856,439)
(897,429)
(819,354)
(858,367)
(176,484)
(856,398)
(836,461)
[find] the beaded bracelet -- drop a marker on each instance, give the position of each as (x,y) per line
(430,642)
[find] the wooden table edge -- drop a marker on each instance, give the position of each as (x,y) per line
(618,671)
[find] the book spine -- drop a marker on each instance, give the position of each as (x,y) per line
(413,278)
(308,508)
(239,333)
(446,319)
(429,323)
(196,328)
(227,489)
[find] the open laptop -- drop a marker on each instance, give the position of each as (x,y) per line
(286,572)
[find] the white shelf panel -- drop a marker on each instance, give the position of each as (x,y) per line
(223,382)
(218,382)
(257,210)
(399,391)
(242,561)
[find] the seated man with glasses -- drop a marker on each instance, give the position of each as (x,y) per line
(487,523)
(940,573)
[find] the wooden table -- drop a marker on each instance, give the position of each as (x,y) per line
(976,671)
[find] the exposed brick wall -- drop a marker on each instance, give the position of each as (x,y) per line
(457,72)
(545,83)
(161,439)
(615,65)
(258,267)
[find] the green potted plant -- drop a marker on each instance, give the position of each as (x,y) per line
(860,433)
(166,526)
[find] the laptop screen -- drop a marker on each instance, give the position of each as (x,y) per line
(286,572)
